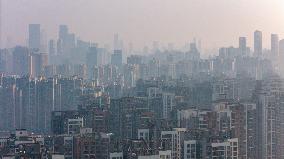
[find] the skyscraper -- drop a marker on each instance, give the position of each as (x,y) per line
(257,43)
(37,63)
(92,61)
(63,32)
(243,45)
(59,47)
(43,41)
(51,47)
(274,45)
(193,53)
(281,47)
(116,58)
(21,61)
(34,36)
(66,40)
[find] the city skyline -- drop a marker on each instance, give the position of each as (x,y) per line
(143,22)
(143,79)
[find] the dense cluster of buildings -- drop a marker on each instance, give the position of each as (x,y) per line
(81,100)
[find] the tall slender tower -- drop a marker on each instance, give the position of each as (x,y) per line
(243,45)
(274,45)
(281,48)
(258,51)
(258,43)
(34,36)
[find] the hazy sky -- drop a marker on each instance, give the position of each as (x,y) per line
(216,22)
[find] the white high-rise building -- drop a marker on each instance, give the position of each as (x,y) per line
(165,154)
(227,149)
(173,141)
(190,149)
(75,125)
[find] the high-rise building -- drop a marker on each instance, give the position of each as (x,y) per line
(70,42)
(127,116)
(192,149)
(34,36)
(21,61)
(9,100)
(274,45)
(227,149)
(173,140)
(28,103)
(270,119)
(243,126)
(43,41)
(93,145)
(37,63)
(281,47)
(63,32)
(193,53)
(64,145)
(80,70)
(51,48)
(243,45)
(258,43)
(6,62)
(63,36)
(92,61)
(134,59)
(168,105)
(153,69)
(59,47)
(66,41)
(116,58)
